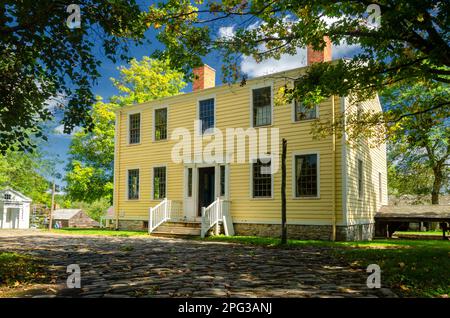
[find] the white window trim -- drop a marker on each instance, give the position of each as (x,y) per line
(154,123)
(293,111)
(153,181)
(262,85)
(127,185)
(294,183)
(206,97)
(251,180)
(128,127)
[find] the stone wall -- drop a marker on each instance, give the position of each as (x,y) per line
(133,225)
(307,232)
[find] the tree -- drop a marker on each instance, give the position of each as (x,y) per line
(20,171)
(44,63)
(90,172)
(411,43)
(420,144)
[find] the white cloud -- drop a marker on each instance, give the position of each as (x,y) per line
(59,130)
(250,67)
(226,32)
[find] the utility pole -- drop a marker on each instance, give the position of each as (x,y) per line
(283,193)
(53,205)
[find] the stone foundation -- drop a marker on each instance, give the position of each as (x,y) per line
(133,225)
(360,232)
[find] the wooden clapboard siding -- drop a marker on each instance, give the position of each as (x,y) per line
(374,161)
(233,110)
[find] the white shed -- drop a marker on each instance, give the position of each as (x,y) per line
(14,210)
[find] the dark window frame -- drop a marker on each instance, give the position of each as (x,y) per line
(189,182)
(134,130)
(7,196)
(308,184)
(261,104)
(160,127)
(380,187)
(223,181)
(360,172)
(307,112)
(262,184)
(209,117)
(133,190)
(162,185)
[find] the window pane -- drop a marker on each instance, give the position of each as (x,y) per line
(159,182)
(262,106)
(222,180)
(360,178)
(189,182)
(161,124)
(304,113)
(262,182)
(380,187)
(133,184)
(206,114)
(135,127)
(306,176)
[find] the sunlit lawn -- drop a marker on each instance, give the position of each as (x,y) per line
(411,268)
(104,232)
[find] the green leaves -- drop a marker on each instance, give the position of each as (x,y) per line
(41,59)
(90,173)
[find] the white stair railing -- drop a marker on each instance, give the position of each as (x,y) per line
(211,216)
(159,214)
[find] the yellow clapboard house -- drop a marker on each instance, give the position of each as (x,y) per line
(180,167)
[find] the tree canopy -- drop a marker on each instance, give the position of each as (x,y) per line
(419,149)
(45,64)
(410,43)
(90,172)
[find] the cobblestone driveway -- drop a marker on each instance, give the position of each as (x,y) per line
(153,267)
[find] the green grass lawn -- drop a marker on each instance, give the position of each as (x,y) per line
(411,268)
(17,269)
(105,232)
(436,233)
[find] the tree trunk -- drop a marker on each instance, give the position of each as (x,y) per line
(283,194)
(437,184)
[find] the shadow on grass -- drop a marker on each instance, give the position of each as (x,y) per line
(416,268)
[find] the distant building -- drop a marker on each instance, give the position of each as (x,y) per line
(14,210)
(107,220)
(72,218)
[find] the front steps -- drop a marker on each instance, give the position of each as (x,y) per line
(178,229)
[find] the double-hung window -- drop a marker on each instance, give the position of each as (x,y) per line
(262,179)
(159,183)
(304,113)
(360,179)
(306,176)
(133,184)
(135,128)
(206,114)
(262,106)
(160,124)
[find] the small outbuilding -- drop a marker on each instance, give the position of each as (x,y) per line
(73,218)
(14,210)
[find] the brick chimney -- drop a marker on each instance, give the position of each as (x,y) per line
(204,77)
(313,56)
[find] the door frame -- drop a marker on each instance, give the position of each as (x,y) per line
(190,204)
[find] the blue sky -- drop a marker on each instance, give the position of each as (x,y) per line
(58,143)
